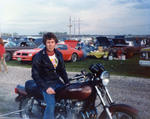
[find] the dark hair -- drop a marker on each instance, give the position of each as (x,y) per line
(49,36)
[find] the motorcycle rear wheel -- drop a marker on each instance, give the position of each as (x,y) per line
(30,109)
(120,111)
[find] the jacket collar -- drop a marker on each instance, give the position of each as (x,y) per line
(55,50)
(45,56)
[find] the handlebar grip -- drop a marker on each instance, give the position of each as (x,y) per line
(76,78)
(70,79)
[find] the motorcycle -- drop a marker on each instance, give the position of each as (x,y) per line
(79,100)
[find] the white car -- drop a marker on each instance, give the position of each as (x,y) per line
(145,57)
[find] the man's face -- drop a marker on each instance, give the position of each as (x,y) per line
(50,44)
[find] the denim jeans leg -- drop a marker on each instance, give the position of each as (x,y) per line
(50,105)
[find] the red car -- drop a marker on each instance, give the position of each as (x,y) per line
(69,53)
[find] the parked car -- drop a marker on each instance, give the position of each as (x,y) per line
(69,53)
(121,47)
(72,43)
(100,50)
(103,42)
(38,41)
(11,47)
(136,44)
(144,57)
(99,53)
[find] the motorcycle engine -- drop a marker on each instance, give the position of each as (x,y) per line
(75,110)
(84,113)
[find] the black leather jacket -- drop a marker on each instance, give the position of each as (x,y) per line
(43,71)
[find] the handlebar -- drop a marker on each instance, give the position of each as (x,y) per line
(82,76)
(77,77)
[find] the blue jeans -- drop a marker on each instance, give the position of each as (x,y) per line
(50,103)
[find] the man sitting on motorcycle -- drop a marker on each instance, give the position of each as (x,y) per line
(48,65)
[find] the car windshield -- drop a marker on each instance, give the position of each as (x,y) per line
(61,46)
(10,44)
(41,46)
(119,41)
(38,41)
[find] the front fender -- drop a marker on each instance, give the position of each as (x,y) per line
(120,108)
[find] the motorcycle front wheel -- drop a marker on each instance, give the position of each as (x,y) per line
(29,109)
(120,111)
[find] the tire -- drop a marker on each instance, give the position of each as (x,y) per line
(120,111)
(30,109)
(74,57)
(8,56)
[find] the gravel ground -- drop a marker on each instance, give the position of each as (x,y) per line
(127,90)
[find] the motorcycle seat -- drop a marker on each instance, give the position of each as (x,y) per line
(32,89)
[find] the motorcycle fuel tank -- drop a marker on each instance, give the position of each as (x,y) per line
(75,91)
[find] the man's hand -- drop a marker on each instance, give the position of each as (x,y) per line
(50,91)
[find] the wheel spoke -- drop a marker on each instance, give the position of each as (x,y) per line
(121,115)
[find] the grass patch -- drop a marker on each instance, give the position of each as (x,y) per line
(129,67)
(16,63)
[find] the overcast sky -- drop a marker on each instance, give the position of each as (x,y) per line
(97,16)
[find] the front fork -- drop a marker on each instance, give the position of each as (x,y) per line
(106,107)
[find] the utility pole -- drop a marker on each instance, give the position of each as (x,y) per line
(75,22)
(79,26)
(74,32)
(70,25)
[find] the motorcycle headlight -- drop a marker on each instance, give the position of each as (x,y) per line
(105,76)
